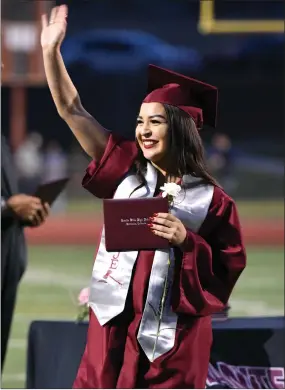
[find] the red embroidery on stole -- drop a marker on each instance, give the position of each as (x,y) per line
(113,266)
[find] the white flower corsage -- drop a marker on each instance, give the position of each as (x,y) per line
(171,190)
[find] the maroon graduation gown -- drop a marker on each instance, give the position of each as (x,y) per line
(205,274)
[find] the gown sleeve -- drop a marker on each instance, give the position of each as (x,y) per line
(212,261)
(102,177)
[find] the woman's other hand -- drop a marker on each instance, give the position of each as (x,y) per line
(54,29)
(168,226)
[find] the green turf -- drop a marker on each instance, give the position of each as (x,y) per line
(272,209)
(56,274)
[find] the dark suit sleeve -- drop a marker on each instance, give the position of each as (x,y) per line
(5,212)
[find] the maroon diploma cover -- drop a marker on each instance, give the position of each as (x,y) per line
(126,223)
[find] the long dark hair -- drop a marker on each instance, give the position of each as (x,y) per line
(186,150)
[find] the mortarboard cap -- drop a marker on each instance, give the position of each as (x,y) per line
(197,99)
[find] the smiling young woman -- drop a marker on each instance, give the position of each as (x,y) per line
(139,337)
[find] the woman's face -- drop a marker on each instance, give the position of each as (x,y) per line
(152,132)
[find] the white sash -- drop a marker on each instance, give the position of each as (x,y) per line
(112,272)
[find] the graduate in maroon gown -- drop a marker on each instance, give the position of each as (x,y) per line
(150,311)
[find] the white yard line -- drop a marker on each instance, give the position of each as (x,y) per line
(17,343)
(264,282)
(254,308)
(26,318)
(14,377)
(43,276)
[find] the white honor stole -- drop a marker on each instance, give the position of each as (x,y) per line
(112,272)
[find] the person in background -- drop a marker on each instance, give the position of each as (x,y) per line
(150,311)
(17,211)
(29,162)
(221,161)
(55,167)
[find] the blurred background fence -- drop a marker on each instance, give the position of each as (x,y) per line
(236,45)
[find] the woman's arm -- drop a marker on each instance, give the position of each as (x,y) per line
(89,133)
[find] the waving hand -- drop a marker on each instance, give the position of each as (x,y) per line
(53,30)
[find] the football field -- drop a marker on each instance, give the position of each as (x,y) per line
(55,275)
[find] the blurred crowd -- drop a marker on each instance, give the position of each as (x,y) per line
(38,161)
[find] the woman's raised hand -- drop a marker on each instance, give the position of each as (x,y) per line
(53,30)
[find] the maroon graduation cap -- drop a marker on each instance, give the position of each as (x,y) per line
(197,99)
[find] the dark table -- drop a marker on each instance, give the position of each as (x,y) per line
(246,353)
